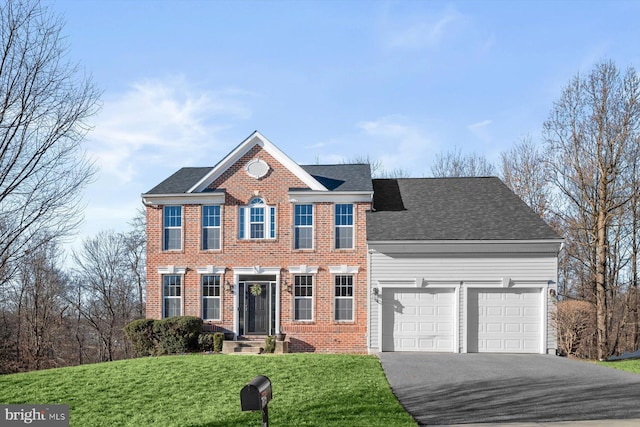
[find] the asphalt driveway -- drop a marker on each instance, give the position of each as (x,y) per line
(444,389)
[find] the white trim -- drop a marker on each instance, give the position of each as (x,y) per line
(343,269)
(409,285)
(312,297)
(551,246)
(219,297)
(302,269)
(210,227)
(210,269)
(332,196)
(397,283)
(256,270)
(532,285)
(165,228)
(179,298)
(296,227)
(262,168)
(212,198)
(354,220)
(256,138)
(171,269)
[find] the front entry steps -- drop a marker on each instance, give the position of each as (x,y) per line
(255,345)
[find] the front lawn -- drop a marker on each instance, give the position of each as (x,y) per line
(624,365)
(204,390)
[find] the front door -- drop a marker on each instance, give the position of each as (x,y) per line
(257,307)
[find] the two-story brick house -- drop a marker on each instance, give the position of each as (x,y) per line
(259,245)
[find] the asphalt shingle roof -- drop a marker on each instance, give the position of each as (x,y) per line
(451,209)
(181,181)
(348,177)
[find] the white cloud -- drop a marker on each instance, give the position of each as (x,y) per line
(157,121)
(393,140)
(480,129)
(145,134)
(429,32)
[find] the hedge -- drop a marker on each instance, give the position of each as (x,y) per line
(178,334)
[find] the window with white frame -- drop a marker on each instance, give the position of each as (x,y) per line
(211,297)
(211,227)
(303,226)
(257,220)
(303,297)
(171,295)
(343,219)
(172,232)
(343,307)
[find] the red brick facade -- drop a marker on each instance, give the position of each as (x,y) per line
(323,333)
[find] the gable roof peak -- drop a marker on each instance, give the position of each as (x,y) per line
(256,138)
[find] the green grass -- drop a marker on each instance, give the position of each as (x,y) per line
(624,365)
(204,390)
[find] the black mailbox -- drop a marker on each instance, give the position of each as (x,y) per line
(256,394)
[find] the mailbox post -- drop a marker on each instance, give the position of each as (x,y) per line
(256,395)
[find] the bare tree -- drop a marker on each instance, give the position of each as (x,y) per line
(109,290)
(136,245)
(525,170)
(590,133)
(45,103)
(455,164)
(377,168)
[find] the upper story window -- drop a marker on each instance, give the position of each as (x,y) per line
(172,230)
(211,227)
(257,220)
(343,220)
(303,227)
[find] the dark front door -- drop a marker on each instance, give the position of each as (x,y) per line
(257,307)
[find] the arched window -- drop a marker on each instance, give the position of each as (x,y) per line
(257,220)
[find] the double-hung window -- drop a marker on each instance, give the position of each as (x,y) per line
(343,307)
(343,220)
(211,297)
(257,220)
(171,295)
(303,227)
(303,297)
(210,227)
(172,231)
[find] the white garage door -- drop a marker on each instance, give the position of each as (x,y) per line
(505,321)
(418,320)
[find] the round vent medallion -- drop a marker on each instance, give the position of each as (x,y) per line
(257,168)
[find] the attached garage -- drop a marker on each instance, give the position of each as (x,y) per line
(504,321)
(418,320)
(459,265)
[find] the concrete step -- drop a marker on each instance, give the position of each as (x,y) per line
(253,347)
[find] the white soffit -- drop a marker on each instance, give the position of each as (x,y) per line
(256,138)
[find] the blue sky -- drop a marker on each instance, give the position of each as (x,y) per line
(185,82)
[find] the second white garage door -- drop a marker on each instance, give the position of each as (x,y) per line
(504,321)
(418,320)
